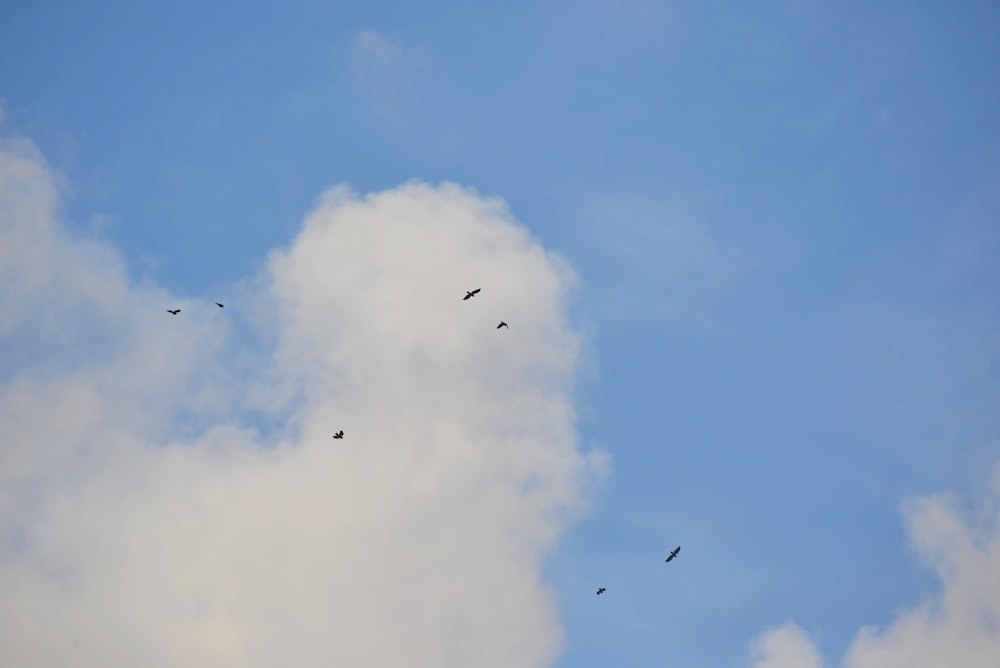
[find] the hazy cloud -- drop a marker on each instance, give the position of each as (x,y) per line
(958,627)
(374,50)
(883,116)
(143,519)
(386,72)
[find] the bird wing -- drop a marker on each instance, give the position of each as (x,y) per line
(476,291)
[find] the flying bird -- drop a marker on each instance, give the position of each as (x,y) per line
(503,324)
(173,311)
(469,294)
(673,554)
(220,305)
(339,434)
(601,590)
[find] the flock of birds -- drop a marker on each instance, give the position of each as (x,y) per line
(469,294)
(175,311)
(670,557)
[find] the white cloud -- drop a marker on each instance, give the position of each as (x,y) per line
(958,627)
(786,646)
(143,522)
(35,251)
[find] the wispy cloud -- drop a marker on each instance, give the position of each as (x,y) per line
(130,537)
(958,627)
(375,51)
(386,72)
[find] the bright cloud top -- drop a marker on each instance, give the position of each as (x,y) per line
(960,627)
(129,537)
(787,646)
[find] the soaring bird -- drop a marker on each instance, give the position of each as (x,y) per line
(601,590)
(469,294)
(673,554)
(503,324)
(173,311)
(220,305)
(339,434)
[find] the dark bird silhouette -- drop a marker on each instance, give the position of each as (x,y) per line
(601,590)
(503,324)
(673,554)
(339,434)
(173,311)
(471,293)
(220,305)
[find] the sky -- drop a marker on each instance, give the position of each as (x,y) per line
(748,259)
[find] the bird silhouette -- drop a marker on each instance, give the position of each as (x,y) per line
(220,305)
(173,311)
(601,590)
(469,294)
(503,324)
(339,434)
(673,554)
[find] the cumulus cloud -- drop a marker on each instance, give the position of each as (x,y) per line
(144,520)
(959,627)
(787,646)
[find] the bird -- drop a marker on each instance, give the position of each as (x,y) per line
(220,305)
(600,590)
(469,294)
(673,554)
(173,311)
(503,324)
(339,434)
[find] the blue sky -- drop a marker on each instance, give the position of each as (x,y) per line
(783,220)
